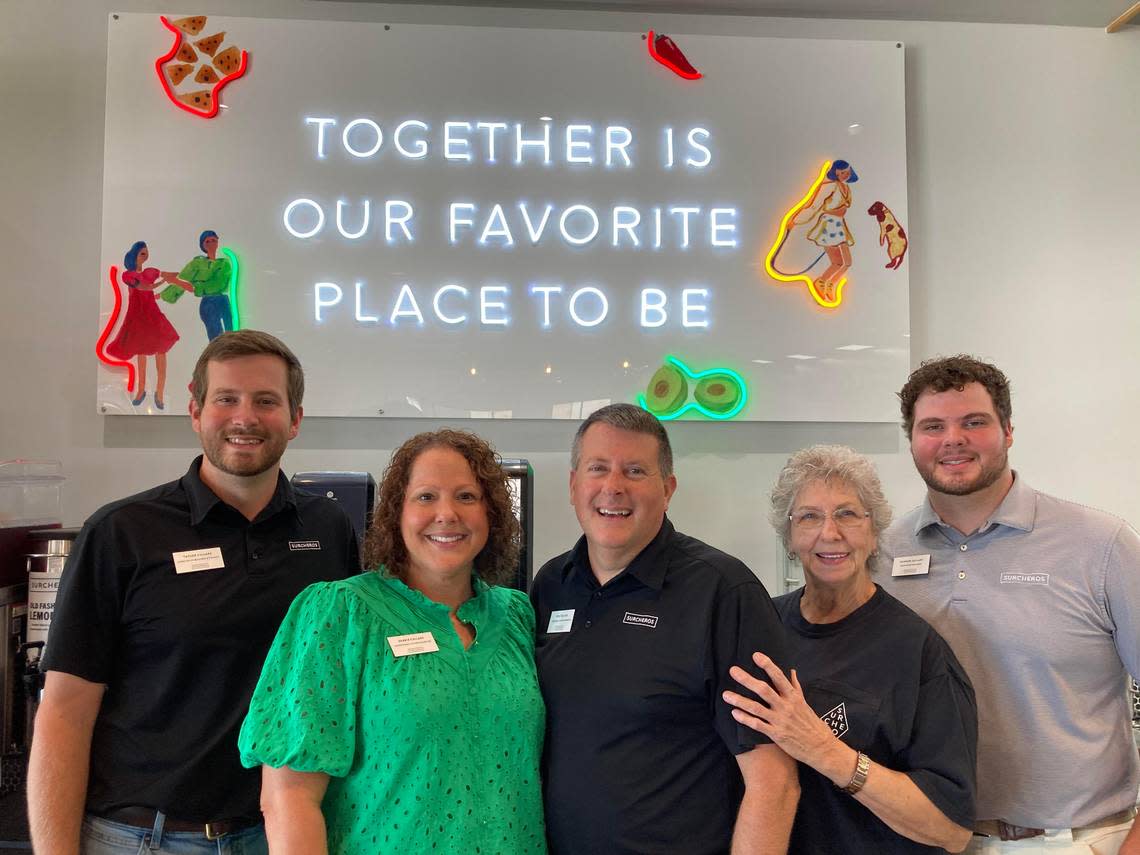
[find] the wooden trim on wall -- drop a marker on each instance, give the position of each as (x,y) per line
(1121,22)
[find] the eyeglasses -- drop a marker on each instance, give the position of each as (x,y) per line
(813,520)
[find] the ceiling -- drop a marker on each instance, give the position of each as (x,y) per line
(1065,13)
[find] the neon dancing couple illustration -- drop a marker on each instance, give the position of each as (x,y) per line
(146,331)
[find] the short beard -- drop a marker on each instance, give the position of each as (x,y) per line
(986,478)
(215,453)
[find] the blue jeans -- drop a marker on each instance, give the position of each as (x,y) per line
(103,837)
(215,314)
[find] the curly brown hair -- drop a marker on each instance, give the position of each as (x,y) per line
(954,372)
(384,546)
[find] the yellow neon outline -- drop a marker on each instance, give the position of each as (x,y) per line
(784,228)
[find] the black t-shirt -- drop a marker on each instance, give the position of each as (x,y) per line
(640,747)
(180,652)
(890,687)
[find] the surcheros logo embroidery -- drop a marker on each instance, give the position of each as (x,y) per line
(640,620)
(303,545)
(836,719)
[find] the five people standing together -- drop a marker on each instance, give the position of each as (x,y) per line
(650,698)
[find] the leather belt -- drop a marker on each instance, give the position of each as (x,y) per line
(1006,831)
(143,817)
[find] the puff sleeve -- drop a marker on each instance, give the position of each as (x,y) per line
(303,711)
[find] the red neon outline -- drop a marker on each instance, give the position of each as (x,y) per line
(669,65)
(106,360)
(166,87)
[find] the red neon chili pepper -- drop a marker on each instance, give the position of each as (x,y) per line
(665,51)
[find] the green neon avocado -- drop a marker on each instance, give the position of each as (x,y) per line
(718,392)
(668,389)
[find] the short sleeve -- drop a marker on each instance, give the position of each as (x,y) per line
(520,618)
(89,605)
(943,750)
(745,622)
(1122,596)
(303,711)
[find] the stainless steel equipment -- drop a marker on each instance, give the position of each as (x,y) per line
(50,548)
(13,709)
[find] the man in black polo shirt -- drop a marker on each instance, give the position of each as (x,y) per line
(167,607)
(637,627)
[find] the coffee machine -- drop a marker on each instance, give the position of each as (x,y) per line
(29,501)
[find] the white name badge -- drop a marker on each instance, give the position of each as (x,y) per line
(410,645)
(196,560)
(911,565)
(561,621)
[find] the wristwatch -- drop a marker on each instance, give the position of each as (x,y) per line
(859,778)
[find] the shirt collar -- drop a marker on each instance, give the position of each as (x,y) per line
(202,499)
(648,567)
(1017,510)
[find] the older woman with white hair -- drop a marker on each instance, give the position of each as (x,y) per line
(880,715)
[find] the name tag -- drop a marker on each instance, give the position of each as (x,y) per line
(196,560)
(911,565)
(410,645)
(561,621)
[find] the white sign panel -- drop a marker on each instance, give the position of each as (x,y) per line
(507,223)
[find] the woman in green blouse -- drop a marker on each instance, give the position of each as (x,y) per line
(399,711)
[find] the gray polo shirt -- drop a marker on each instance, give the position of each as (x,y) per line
(1042,607)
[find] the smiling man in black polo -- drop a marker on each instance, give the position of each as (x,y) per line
(166,609)
(637,628)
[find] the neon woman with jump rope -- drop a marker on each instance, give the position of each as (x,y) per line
(824,209)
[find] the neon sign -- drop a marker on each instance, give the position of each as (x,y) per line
(235,317)
(782,236)
(576,224)
(511,224)
(203,105)
(113,275)
(665,51)
(719,393)
(474,141)
(553,303)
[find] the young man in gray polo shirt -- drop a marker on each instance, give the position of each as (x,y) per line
(1040,600)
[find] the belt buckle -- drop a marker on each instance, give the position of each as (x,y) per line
(1017,832)
(216,830)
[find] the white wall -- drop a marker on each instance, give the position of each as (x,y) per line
(1024,196)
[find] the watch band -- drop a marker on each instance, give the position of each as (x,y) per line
(859,777)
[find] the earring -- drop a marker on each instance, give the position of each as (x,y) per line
(791,556)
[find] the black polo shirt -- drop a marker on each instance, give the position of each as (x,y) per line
(181,652)
(639,746)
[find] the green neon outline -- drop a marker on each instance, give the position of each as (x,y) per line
(235,320)
(694,405)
